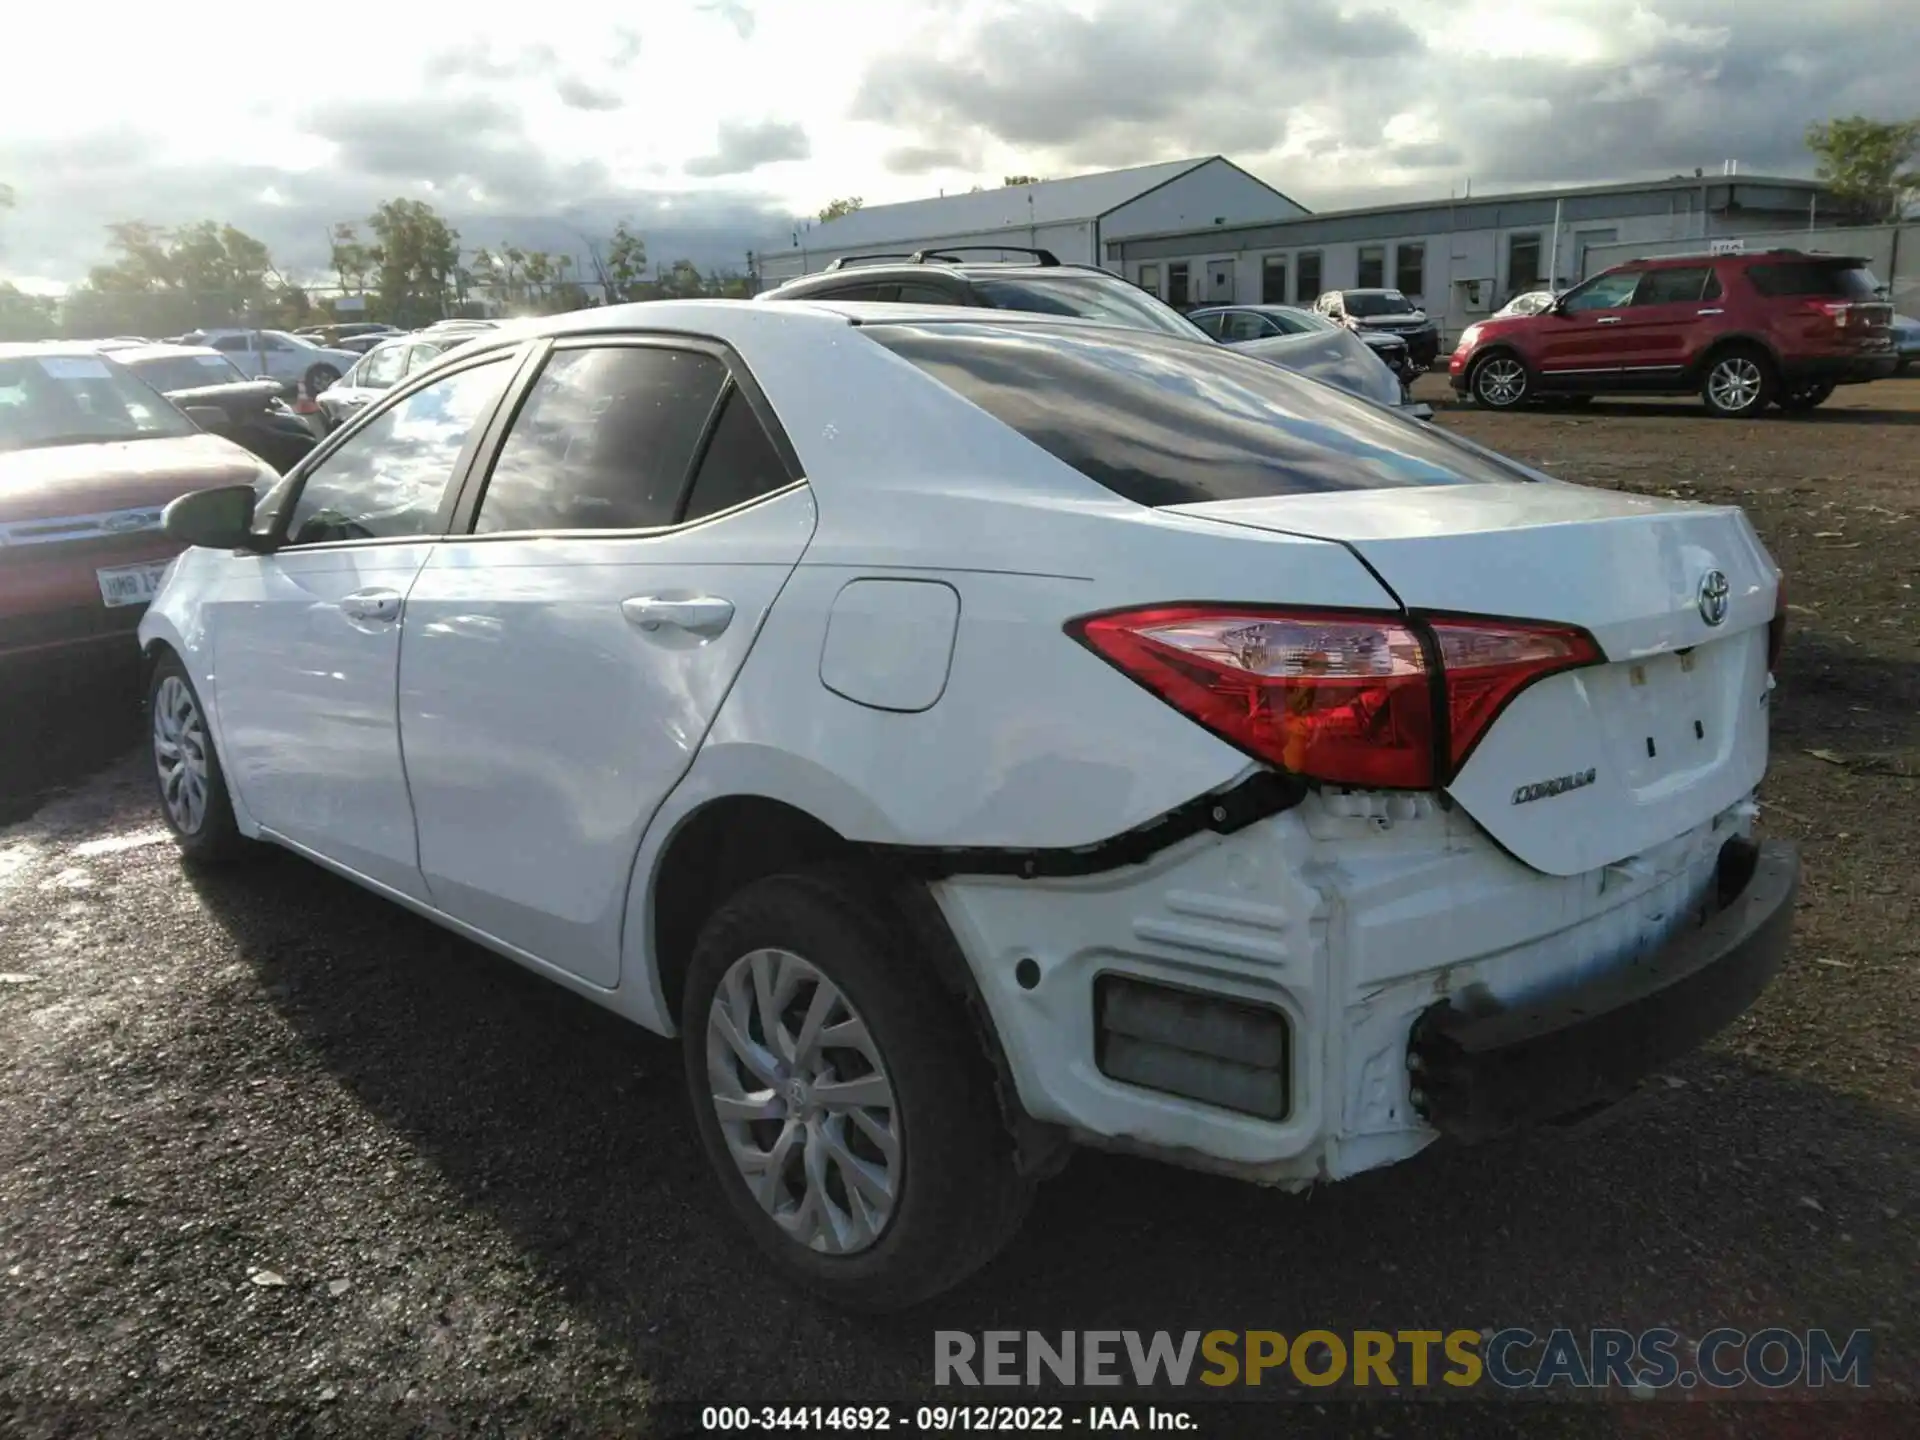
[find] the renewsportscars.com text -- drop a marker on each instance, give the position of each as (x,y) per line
(1511,1359)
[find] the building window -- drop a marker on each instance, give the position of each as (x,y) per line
(1373,268)
(1523,264)
(1410,269)
(1150,279)
(1307,278)
(1177,295)
(1273,280)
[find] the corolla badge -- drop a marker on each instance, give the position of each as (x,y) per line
(1559,785)
(1714,591)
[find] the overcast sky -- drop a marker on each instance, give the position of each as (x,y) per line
(710,122)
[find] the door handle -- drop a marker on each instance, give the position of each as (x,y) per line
(1608,320)
(705,615)
(372,605)
(1717,310)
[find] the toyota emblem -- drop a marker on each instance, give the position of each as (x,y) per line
(1714,591)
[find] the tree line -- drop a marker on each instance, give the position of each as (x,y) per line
(404,264)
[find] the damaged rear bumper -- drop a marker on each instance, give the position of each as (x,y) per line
(1573,1050)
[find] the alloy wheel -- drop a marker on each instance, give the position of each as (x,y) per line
(1502,381)
(1735,383)
(180,754)
(804,1102)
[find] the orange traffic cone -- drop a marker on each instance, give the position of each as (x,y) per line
(305,407)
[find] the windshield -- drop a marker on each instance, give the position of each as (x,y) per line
(1089,298)
(186,372)
(78,400)
(1365,303)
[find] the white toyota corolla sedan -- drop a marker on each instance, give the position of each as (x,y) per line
(976,733)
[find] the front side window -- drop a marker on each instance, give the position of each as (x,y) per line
(383,367)
(925,295)
(387,480)
(604,441)
(419,357)
(1603,292)
(48,400)
(1373,267)
(232,344)
(1244,325)
(1162,423)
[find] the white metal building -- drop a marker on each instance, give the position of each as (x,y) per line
(1074,218)
(1461,258)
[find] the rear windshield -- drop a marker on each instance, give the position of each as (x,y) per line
(187,372)
(1821,279)
(1087,298)
(1162,422)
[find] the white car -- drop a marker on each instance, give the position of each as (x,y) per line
(977,732)
(276,355)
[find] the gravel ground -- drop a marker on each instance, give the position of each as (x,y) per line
(279,1158)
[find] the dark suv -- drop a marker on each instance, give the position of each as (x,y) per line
(937,277)
(1384,311)
(1744,331)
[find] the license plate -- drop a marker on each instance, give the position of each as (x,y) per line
(130,584)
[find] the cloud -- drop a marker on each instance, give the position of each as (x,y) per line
(577,94)
(1313,89)
(477,60)
(919,159)
(626,46)
(745,147)
(735,13)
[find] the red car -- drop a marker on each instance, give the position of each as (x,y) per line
(89,456)
(1744,331)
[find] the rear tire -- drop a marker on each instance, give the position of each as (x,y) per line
(1501,381)
(192,788)
(319,377)
(1806,397)
(874,1198)
(1739,383)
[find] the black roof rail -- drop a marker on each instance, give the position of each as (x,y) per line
(843,261)
(1724,254)
(941,252)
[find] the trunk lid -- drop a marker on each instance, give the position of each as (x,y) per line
(1587,767)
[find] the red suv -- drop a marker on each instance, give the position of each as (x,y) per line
(1776,327)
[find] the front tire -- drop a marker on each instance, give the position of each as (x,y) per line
(1739,383)
(192,788)
(848,1115)
(1500,382)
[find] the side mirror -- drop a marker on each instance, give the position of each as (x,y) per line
(218,519)
(210,418)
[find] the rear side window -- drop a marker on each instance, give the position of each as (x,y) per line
(1087,297)
(603,442)
(1163,422)
(1823,280)
(1677,286)
(740,464)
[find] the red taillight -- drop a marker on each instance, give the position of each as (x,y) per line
(1488,662)
(1777,627)
(1343,698)
(1836,310)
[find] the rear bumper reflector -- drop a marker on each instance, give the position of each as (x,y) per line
(1209,1048)
(1573,1051)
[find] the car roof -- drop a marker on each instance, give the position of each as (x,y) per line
(163,352)
(29,349)
(964,269)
